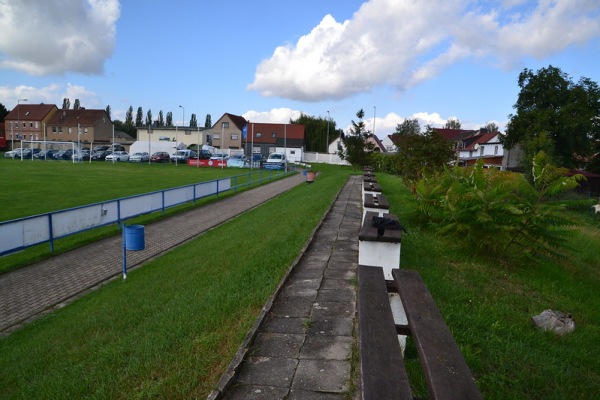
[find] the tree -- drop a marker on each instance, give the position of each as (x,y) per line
(76,105)
(207,121)
(3,112)
(161,119)
(549,101)
(420,154)
(66,103)
(453,123)
(193,121)
(169,119)
(317,131)
(139,118)
(358,148)
(491,127)
(108,111)
(149,117)
(408,126)
(125,127)
(129,116)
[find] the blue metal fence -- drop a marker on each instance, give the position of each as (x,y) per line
(18,234)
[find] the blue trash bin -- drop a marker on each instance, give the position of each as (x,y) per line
(134,237)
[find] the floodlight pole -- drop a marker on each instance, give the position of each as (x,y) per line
(18,123)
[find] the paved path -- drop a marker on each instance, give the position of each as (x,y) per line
(28,293)
(302,348)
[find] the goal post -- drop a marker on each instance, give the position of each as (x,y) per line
(29,146)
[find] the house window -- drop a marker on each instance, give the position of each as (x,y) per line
(24,124)
(31,124)
(481,150)
(53,129)
(60,130)
(495,150)
(85,130)
(273,134)
(258,134)
(293,152)
(234,137)
(216,136)
(225,125)
(70,130)
(37,125)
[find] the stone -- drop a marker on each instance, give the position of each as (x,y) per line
(555,321)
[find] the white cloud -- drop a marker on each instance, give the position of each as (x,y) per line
(275,116)
(54,37)
(402,43)
(51,94)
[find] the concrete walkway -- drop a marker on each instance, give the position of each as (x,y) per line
(302,345)
(30,292)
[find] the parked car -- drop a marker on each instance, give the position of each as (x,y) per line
(160,157)
(14,153)
(275,161)
(45,154)
(237,161)
(63,154)
(139,157)
(100,155)
(219,157)
(117,156)
(258,160)
(29,153)
(181,156)
(81,155)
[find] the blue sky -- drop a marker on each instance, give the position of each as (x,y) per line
(270,60)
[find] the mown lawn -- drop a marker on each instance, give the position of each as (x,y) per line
(172,327)
(36,187)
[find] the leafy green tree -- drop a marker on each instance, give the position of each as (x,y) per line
(317,131)
(76,105)
(108,111)
(358,148)
(549,101)
(3,112)
(408,127)
(193,121)
(420,154)
(125,127)
(149,117)
(161,119)
(139,118)
(129,116)
(208,121)
(169,119)
(453,123)
(66,103)
(491,127)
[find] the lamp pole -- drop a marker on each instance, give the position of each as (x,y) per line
(149,127)
(176,138)
(18,122)
(328,118)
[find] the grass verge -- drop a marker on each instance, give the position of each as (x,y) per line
(488,304)
(172,327)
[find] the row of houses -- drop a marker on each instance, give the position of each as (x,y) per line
(230,133)
(89,127)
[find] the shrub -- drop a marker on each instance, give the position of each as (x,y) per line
(500,212)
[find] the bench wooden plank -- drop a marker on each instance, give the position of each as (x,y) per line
(382,365)
(447,374)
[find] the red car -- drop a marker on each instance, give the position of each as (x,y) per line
(160,157)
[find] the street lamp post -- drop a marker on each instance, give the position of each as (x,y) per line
(18,123)
(327,144)
(176,137)
(149,127)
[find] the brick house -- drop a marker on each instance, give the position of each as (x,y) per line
(226,133)
(265,138)
(88,127)
(27,121)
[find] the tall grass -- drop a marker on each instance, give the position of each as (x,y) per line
(488,304)
(172,327)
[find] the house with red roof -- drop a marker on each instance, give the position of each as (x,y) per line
(226,133)
(85,126)
(266,138)
(26,122)
(474,145)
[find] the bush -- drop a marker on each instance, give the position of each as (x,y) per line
(500,212)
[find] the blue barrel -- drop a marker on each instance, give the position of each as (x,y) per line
(134,237)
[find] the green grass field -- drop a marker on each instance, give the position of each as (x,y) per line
(171,329)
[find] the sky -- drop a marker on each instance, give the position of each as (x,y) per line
(271,60)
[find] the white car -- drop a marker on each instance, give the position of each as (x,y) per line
(219,157)
(139,157)
(118,156)
(14,153)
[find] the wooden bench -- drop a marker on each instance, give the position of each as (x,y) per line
(381,362)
